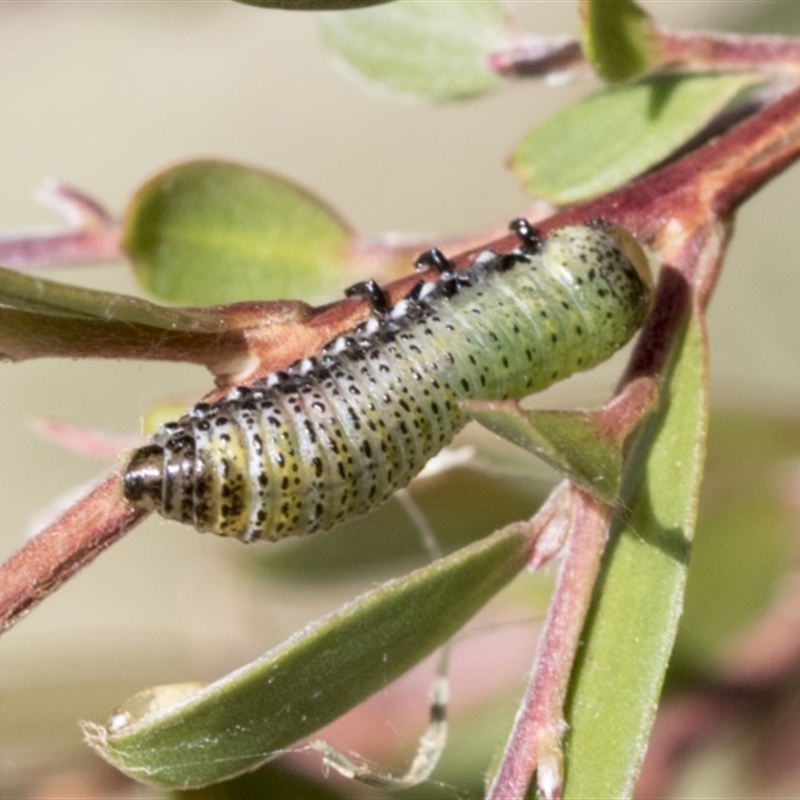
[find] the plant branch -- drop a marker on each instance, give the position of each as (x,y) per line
(94,236)
(702,52)
(535,740)
(676,52)
(63,548)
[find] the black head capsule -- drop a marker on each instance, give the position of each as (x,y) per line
(529,237)
(143,477)
(372,293)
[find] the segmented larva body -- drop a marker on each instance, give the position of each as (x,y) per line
(335,435)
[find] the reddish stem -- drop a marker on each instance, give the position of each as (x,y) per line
(60,249)
(62,549)
(94,238)
(535,740)
(537,57)
(693,52)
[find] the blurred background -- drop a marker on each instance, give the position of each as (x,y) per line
(102,96)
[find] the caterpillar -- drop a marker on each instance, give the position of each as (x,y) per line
(335,435)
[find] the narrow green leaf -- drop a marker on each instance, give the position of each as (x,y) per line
(435,51)
(313,5)
(631,628)
(241,720)
(618,39)
(22,292)
(609,138)
(209,232)
(41,318)
(570,441)
(587,446)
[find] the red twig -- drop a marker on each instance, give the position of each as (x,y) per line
(535,741)
(693,52)
(94,236)
(62,549)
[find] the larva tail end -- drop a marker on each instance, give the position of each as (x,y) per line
(626,242)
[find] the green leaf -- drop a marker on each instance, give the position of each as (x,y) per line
(609,138)
(207,233)
(618,39)
(570,441)
(46,298)
(313,5)
(435,51)
(241,720)
(631,627)
(41,318)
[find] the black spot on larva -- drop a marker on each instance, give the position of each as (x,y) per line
(255,465)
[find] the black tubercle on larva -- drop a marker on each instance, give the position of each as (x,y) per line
(436,260)
(334,435)
(530,238)
(372,293)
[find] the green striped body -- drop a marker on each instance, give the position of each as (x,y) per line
(336,435)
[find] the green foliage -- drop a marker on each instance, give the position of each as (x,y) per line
(601,142)
(240,720)
(213,233)
(639,597)
(40,318)
(618,39)
(569,441)
(209,232)
(434,51)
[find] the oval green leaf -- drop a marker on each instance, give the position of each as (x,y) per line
(208,233)
(435,51)
(618,39)
(237,722)
(631,627)
(609,138)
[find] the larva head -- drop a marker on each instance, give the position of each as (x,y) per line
(143,477)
